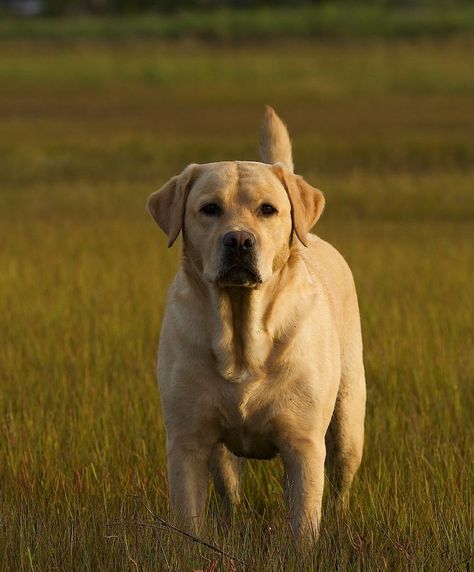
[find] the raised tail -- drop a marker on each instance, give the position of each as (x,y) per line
(275,144)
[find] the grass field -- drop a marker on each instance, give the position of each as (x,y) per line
(88,130)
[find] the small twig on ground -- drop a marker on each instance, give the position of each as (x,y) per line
(170,527)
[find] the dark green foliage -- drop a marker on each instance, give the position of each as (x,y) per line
(122,19)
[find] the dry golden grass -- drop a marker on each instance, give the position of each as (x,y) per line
(88,131)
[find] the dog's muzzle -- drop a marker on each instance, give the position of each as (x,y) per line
(239,260)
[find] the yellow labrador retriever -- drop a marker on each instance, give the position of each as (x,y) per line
(261,349)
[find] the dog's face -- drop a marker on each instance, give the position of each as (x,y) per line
(237,224)
(237,218)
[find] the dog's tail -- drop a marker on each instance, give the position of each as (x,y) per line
(275,144)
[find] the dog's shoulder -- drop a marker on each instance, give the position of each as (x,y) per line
(326,260)
(332,273)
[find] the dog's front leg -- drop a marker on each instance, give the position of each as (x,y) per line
(188,476)
(304,474)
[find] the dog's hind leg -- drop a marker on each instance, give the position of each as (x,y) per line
(345,435)
(226,471)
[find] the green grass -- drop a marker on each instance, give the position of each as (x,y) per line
(88,131)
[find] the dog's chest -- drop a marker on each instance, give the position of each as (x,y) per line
(244,442)
(247,426)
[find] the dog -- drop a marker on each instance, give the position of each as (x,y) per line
(261,348)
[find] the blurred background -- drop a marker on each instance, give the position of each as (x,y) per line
(101,101)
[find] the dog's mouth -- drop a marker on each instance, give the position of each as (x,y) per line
(240,276)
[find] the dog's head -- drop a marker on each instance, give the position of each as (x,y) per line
(239,218)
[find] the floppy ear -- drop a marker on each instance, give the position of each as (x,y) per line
(167,205)
(307,203)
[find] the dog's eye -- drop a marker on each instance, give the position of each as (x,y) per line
(267,210)
(211,209)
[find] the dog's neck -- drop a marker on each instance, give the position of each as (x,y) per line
(246,324)
(241,341)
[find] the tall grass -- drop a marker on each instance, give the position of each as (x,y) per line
(88,131)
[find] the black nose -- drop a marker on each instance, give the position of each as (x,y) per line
(238,241)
